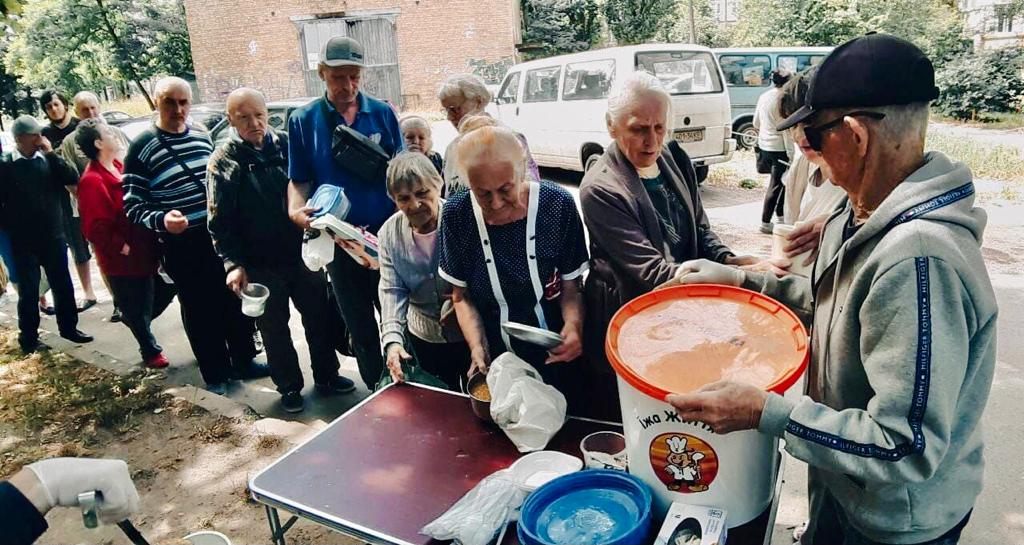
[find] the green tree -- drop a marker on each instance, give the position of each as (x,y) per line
(639,21)
(554,27)
(974,85)
(710,33)
(832,22)
(87,44)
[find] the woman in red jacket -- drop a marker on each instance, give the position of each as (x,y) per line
(126,251)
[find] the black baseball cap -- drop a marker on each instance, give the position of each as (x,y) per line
(869,71)
(342,51)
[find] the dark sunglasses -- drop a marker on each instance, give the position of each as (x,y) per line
(817,133)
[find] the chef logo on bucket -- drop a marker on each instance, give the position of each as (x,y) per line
(683,462)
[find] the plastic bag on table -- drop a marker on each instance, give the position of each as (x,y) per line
(479,515)
(317,249)
(527,410)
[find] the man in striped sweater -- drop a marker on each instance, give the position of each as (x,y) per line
(165,190)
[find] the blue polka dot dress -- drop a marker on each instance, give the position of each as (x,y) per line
(561,255)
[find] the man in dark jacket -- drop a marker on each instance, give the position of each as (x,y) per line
(33,182)
(246,183)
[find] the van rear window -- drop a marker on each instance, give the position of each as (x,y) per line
(682,72)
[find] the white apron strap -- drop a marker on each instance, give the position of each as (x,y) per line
(492,269)
(531,252)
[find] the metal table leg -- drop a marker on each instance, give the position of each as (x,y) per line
(276,530)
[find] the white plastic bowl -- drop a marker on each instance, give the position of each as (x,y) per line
(537,468)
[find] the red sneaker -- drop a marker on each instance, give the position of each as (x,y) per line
(158,361)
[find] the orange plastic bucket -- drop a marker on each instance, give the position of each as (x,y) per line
(684,461)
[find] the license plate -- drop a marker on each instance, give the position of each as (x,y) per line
(689,136)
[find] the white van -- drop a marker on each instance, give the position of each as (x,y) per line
(559,103)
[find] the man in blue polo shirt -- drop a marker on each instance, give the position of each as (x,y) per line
(312,163)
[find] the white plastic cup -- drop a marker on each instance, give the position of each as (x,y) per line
(254,298)
(780,238)
(604,450)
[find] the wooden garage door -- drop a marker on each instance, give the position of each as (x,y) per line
(377,34)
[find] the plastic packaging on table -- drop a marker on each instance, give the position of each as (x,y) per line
(479,515)
(527,410)
(317,249)
(329,199)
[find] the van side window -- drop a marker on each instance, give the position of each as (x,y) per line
(682,72)
(542,84)
(510,89)
(798,63)
(588,80)
(746,70)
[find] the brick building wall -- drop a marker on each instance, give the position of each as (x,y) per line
(256,44)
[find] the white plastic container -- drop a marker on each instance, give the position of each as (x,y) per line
(780,234)
(254,297)
(684,461)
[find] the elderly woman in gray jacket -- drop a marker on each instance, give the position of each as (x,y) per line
(414,315)
(643,210)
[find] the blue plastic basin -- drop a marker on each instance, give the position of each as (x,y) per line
(593,507)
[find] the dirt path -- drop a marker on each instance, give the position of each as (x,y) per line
(190,466)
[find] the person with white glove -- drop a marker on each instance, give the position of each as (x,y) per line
(43,485)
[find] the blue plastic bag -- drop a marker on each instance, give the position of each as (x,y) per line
(329,199)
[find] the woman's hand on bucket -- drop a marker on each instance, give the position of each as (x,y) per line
(724,406)
(479,361)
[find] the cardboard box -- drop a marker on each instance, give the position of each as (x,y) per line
(693,525)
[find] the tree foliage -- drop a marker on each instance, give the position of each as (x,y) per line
(560,26)
(710,33)
(973,85)
(87,44)
(639,21)
(832,22)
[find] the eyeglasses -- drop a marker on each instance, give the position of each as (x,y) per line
(816,134)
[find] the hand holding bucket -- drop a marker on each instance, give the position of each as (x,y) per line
(254,298)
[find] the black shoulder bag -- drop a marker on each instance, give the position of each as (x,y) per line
(356,154)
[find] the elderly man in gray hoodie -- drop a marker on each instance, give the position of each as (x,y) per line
(902,312)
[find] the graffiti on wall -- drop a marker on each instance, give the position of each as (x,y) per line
(491,72)
(287,83)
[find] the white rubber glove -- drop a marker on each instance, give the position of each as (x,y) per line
(703,271)
(63,479)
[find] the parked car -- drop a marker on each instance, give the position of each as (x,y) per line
(747,74)
(559,103)
(117,117)
(279,111)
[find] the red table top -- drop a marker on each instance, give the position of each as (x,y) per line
(395,462)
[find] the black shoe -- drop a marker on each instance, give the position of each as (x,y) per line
(219,388)
(28,347)
(292,402)
(254,369)
(87,304)
(77,336)
(340,385)
(115,316)
(47,310)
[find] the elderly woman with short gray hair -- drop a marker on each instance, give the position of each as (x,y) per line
(643,210)
(515,251)
(463,96)
(416,317)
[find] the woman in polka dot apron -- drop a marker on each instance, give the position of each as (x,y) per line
(515,252)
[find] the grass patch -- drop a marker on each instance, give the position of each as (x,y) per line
(998,162)
(995,121)
(59,404)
